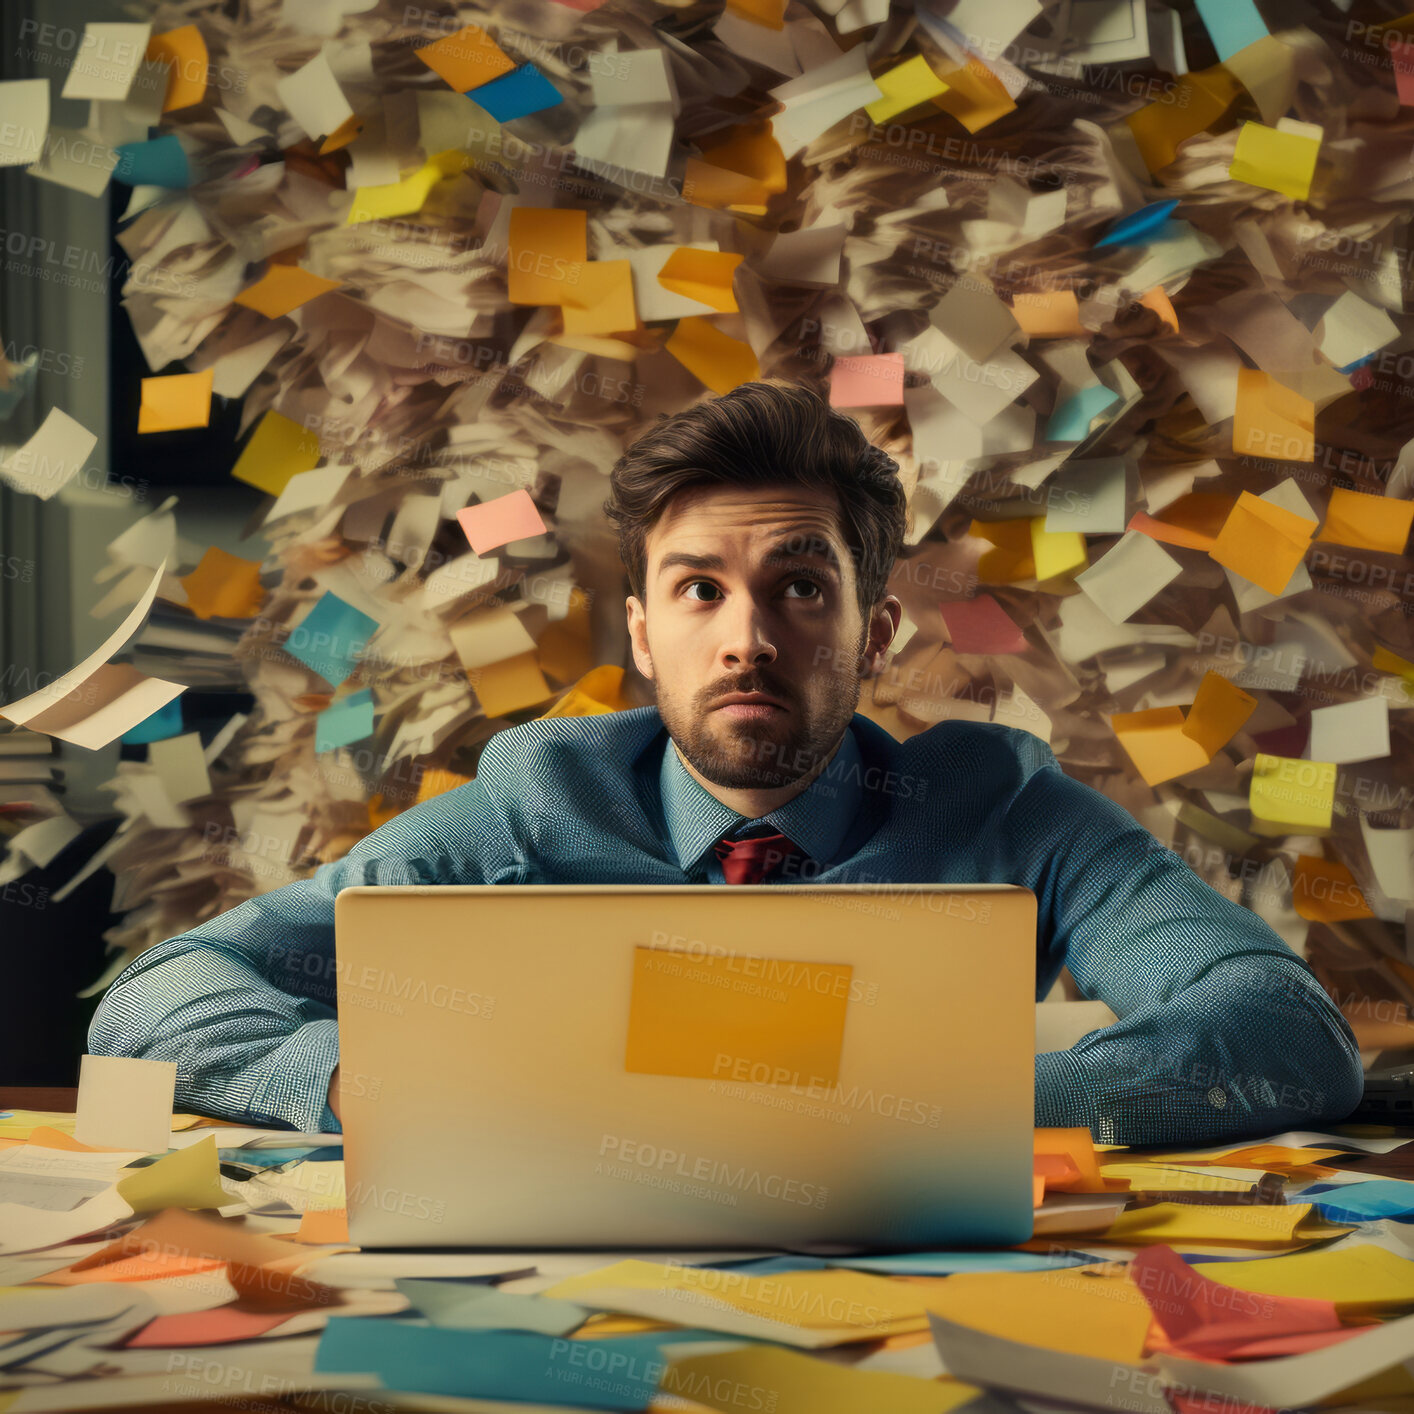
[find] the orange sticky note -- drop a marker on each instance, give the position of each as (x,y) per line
(716,187)
(686,1018)
(323,1225)
(1161,530)
(714,358)
(867,380)
(511,685)
(278,449)
(1158,300)
(740,172)
(1367,522)
(1271,420)
(436,782)
(224,585)
(1048,314)
(566,646)
(599,690)
(283,288)
(975,96)
(1325,891)
(704,275)
(1072,1149)
(1038,1189)
(1192,105)
(1157,744)
(43,1137)
(601,301)
(1219,709)
(466,59)
(491,524)
(546,251)
(176,400)
(770,13)
(1262,542)
(184,51)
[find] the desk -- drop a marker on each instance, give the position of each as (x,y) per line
(145,1357)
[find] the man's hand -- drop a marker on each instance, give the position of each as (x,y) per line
(334,1095)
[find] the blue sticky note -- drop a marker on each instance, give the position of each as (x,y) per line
(159,162)
(1365,1202)
(1139,226)
(513,95)
(1232,25)
(331,638)
(943,1264)
(1070,422)
(618,1372)
(345,721)
(769,1266)
(164,723)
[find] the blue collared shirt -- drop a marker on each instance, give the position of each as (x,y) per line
(1223,1031)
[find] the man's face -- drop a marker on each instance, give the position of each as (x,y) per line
(753,590)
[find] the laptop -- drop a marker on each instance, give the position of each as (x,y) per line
(605,1066)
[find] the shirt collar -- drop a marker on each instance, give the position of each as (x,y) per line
(816,819)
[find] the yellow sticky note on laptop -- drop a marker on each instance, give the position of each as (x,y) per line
(1279,160)
(738,1018)
(1295,794)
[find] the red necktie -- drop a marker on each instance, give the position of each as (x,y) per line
(750,861)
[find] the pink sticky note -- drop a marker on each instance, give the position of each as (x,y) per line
(1403,57)
(981,625)
(869,380)
(495,523)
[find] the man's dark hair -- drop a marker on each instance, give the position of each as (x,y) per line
(763,433)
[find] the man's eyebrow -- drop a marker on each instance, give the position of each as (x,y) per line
(785,553)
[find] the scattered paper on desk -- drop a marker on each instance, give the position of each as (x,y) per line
(474,1306)
(125,1102)
(679,1013)
(1245,1225)
(51,458)
(1361,1279)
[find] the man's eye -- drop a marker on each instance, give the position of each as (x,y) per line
(696,582)
(811,583)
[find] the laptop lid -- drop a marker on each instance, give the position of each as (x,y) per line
(669,1066)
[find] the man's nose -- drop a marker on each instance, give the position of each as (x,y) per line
(746,633)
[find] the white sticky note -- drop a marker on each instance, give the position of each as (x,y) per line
(1124,579)
(107,60)
(24,120)
(1088,496)
(1352,329)
(180,765)
(51,458)
(973,316)
(314,99)
(1350,731)
(125,1103)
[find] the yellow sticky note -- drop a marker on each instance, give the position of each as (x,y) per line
(1143,1178)
(770,13)
(1106,1318)
(434,782)
(738,173)
(600,690)
(1157,299)
(407,195)
(805,1384)
(975,96)
(1325,891)
(224,585)
(184,51)
(174,401)
(783,1025)
(1262,542)
(1367,522)
(1012,559)
(323,1225)
(1297,794)
(1271,420)
(510,685)
(1274,1158)
(1157,744)
(704,275)
(185,1178)
(546,251)
(1048,314)
(566,649)
(279,448)
(466,59)
(283,288)
(601,301)
(1279,161)
(904,86)
(1361,1279)
(1195,102)
(714,358)
(1056,551)
(1242,1225)
(1219,709)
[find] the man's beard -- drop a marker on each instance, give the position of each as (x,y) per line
(767,755)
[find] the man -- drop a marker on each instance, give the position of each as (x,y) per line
(758,531)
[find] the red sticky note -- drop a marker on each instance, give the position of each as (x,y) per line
(492,524)
(218,1326)
(1403,57)
(981,625)
(868,380)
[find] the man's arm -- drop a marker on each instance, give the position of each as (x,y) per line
(1223,1030)
(245,1003)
